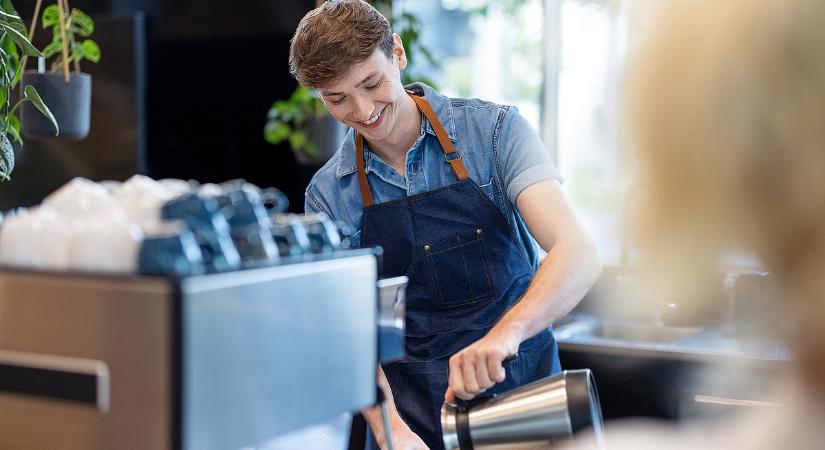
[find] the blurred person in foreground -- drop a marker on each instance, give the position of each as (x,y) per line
(726,111)
(457,192)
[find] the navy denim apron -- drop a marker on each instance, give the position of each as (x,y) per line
(465,267)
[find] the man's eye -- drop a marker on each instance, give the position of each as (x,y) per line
(369,88)
(339,101)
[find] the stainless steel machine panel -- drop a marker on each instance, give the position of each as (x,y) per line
(268,351)
(219,361)
(75,324)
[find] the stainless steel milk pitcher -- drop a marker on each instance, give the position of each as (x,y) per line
(533,416)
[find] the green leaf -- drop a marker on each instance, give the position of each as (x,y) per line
(8,16)
(275,132)
(301,94)
(81,23)
(19,26)
(11,65)
(57,33)
(17,74)
(51,17)
(297,140)
(14,128)
(11,58)
(20,39)
(52,49)
(90,50)
(8,45)
(6,6)
(30,93)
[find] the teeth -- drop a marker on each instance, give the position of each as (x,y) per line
(373,118)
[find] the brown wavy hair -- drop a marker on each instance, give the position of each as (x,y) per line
(335,36)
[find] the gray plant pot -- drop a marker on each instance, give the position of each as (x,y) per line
(327,134)
(69,102)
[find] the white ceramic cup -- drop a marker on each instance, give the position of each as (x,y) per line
(105,243)
(38,238)
(141,198)
(81,198)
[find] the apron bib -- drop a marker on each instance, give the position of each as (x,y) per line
(465,268)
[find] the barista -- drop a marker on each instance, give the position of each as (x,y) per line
(455,191)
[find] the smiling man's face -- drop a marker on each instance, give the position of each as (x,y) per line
(368,97)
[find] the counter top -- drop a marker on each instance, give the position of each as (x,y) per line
(579,333)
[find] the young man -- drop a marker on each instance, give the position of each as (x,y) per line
(455,191)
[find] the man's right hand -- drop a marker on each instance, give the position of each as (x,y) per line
(403,438)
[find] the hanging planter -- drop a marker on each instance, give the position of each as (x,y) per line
(66,89)
(70,104)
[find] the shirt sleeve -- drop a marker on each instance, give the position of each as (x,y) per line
(314,204)
(523,160)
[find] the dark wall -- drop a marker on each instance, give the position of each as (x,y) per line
(213,69)
(198,19)
(207,101)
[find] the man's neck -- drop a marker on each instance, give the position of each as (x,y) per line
(393,150)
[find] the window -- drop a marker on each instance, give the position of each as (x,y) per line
(591,44)
(560,63)
(490,49)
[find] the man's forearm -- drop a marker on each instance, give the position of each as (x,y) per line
(373,414)
(562,279)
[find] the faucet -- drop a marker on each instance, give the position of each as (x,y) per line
(664,309)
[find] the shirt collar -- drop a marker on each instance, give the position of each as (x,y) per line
(442,107)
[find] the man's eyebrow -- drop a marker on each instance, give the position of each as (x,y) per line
(366,79)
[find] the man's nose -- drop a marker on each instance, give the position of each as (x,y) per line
(362,108)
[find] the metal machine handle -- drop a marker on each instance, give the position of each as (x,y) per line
(728,401)
(55,377)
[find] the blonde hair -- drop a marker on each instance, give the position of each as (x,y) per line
(725,103)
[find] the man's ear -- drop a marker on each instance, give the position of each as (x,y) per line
(398,51)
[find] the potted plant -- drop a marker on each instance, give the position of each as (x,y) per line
(14,46)
(68,92)
(303,121)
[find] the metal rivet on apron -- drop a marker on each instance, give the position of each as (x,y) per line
(478,232)
(426,248)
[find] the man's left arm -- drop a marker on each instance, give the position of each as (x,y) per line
(571,266)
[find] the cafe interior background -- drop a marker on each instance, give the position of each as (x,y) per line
(183,90)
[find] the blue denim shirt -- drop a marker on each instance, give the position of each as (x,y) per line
(501,151)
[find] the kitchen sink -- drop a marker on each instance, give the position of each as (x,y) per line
(638,332)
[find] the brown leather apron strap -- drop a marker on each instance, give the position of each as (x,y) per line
(446,144)
(363,184)
(447,147)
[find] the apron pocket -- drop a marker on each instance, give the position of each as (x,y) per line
(459,269)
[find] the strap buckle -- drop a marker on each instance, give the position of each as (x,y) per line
(452,156)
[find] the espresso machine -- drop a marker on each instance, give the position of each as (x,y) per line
(211,361)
